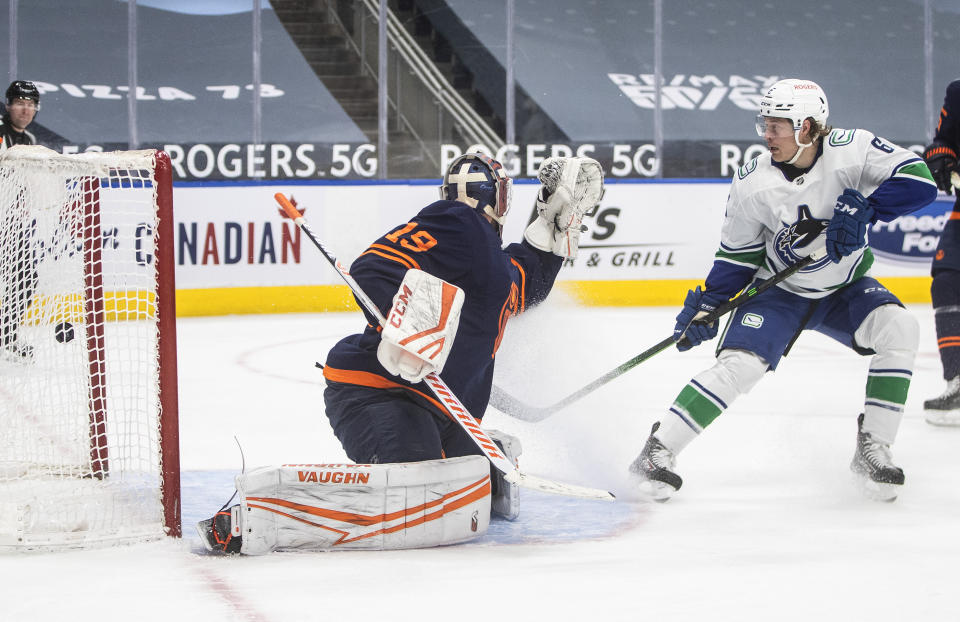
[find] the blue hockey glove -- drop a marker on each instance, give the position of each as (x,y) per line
(688,332)
(847,230)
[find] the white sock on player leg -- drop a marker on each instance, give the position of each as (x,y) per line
(893,333)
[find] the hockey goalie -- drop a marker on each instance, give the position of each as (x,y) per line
(441,288)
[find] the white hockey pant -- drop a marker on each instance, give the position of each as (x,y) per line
(894,334)
(708,394)
(360,506)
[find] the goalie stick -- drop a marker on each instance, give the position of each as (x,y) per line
(457,411)
(509,405)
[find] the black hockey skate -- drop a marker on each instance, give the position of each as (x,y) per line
(873,467)
(221,534)
(654,467)
(945,409)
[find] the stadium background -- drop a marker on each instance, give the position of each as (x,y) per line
(248,99)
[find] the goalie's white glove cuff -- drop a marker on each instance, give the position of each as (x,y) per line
(567,243)
(540,234)
(401,363)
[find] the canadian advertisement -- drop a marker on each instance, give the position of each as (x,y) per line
(648,242)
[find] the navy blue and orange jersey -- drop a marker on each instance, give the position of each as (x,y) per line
(947,255)
(451,241)
(948,128)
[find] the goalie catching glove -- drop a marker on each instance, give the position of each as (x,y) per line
(571,188)
(419,330)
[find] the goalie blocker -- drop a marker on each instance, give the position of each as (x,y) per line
(418,334)
(323,507)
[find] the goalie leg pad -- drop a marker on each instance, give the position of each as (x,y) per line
(419,331)
(320,507)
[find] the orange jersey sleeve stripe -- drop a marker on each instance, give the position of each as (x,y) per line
(372,251)
(523,286)
(401,256)
(511,306)
(398,253)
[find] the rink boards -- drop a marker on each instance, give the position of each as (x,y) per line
(647,244)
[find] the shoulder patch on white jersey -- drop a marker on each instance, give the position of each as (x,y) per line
(839,138)
(747,168)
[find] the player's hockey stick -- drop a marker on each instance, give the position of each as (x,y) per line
(457,411)
(510,405)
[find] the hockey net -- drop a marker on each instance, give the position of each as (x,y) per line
(89,452)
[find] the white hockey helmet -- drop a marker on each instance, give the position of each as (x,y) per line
(795,100)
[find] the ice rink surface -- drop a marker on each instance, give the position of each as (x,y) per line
(768,525)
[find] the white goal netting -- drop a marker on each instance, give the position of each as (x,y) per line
(88,447)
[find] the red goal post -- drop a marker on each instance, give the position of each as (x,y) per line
(89,445)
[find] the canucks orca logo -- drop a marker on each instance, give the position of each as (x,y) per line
(798,236)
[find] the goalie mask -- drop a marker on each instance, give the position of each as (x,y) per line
(480,182)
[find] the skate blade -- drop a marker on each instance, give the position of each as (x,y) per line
(656,491)
(876,491)
(205,529)
(945,418)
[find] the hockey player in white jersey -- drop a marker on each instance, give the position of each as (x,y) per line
(817,187)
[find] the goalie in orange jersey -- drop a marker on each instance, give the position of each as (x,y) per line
(447,288)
